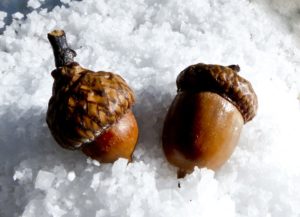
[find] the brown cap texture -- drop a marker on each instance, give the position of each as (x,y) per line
(85,103)
(222,80)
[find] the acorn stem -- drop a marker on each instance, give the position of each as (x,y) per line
(62,53)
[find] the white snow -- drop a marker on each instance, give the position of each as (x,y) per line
(71,176)
(34,3)
(44,180)
(2,17)
(66,1)
(18,15)
(23,175)
(149,42)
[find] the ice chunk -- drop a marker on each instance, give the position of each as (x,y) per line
(95,181)
(65,1)
(92,161)
(102,213)
(23,175)
(44,180)
(2,17)
(71,176)
(34,3)
(119,166)
(18,15)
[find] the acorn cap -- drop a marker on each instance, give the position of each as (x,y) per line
(221,80)
(85,103)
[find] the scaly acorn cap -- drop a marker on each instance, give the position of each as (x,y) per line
(221,80)
(85,103)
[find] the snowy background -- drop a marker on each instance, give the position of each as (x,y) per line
(149,42)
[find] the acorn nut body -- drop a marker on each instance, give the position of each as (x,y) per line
(204,121)
(90,111)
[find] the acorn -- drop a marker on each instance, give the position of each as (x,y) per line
(90,111)
(204,121)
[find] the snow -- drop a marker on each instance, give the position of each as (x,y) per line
(71,176)
(34,3)
(149,42)
(2,16)
(18,15)
(44,180)
(65,1)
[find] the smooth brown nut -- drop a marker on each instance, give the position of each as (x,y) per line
(204,122)
(89,108)
(116,142)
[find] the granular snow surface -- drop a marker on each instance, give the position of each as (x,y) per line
(149,42)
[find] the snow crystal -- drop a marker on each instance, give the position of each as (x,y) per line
(119,166)
(2,16)
(94,162)
(18,15)
(44,180)
(71,176)
(95,181)
(148,42)
(23,175)
(34,3)
(65,1)
(102,213)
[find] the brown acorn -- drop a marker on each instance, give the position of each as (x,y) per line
(90,110)
(203,124)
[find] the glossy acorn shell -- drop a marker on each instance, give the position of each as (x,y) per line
(116,142)
(201,129)
(204,122)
